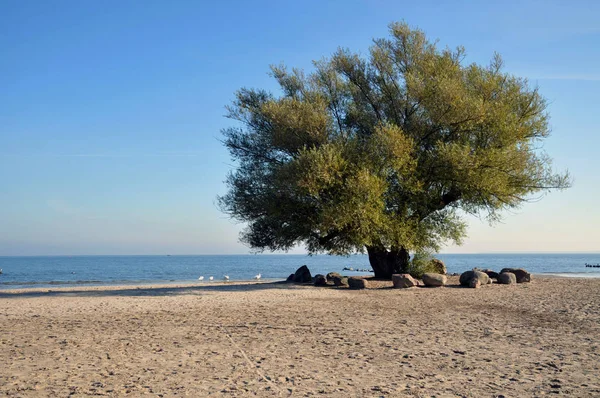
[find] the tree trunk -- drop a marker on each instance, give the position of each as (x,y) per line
(385,262)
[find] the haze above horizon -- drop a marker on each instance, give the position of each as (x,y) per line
(110,118)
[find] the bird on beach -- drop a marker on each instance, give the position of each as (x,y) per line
(257,276)
(210,278)
(226,278)
(201,278)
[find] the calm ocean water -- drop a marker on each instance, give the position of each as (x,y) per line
(21,272)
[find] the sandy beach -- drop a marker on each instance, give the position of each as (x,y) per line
(269,339)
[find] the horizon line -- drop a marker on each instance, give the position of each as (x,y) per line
(285,254)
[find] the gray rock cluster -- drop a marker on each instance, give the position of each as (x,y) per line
(430,279)
(521,275)
(303,275)
(474,278)
(479,277)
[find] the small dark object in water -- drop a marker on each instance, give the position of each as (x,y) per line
(357,269)
(586,264)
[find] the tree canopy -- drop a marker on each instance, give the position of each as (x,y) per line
(381,152)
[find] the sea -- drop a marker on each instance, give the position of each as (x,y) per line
(57,271)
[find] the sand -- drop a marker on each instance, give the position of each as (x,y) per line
(280,340)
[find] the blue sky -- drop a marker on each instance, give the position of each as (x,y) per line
(110,112)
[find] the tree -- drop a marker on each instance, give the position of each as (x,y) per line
(384,154)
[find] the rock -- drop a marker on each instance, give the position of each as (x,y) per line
(438,266)
(507,278)
(320,280)
(401,281)
(302,275)
(290,278)
(475,283)
(434,280)
(356,282)
(467,276)
(340,280)
(522,275)
(331,275)
(483,278)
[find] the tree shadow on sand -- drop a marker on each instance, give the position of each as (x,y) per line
(146,291)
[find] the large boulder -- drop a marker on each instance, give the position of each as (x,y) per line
(434,280)
(320,280)
(467,276)
(355,282)
(507,278)
(290,278)
(521,275)
(302,275)
(438,266)
(401,281)
(332,275)
(340,280)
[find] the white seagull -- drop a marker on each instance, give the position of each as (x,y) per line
(226,278)
(201,278)
(210,278)
(257,276)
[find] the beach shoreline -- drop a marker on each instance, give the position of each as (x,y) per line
(277,339)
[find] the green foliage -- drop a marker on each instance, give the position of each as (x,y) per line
(383,152)
(420,264)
